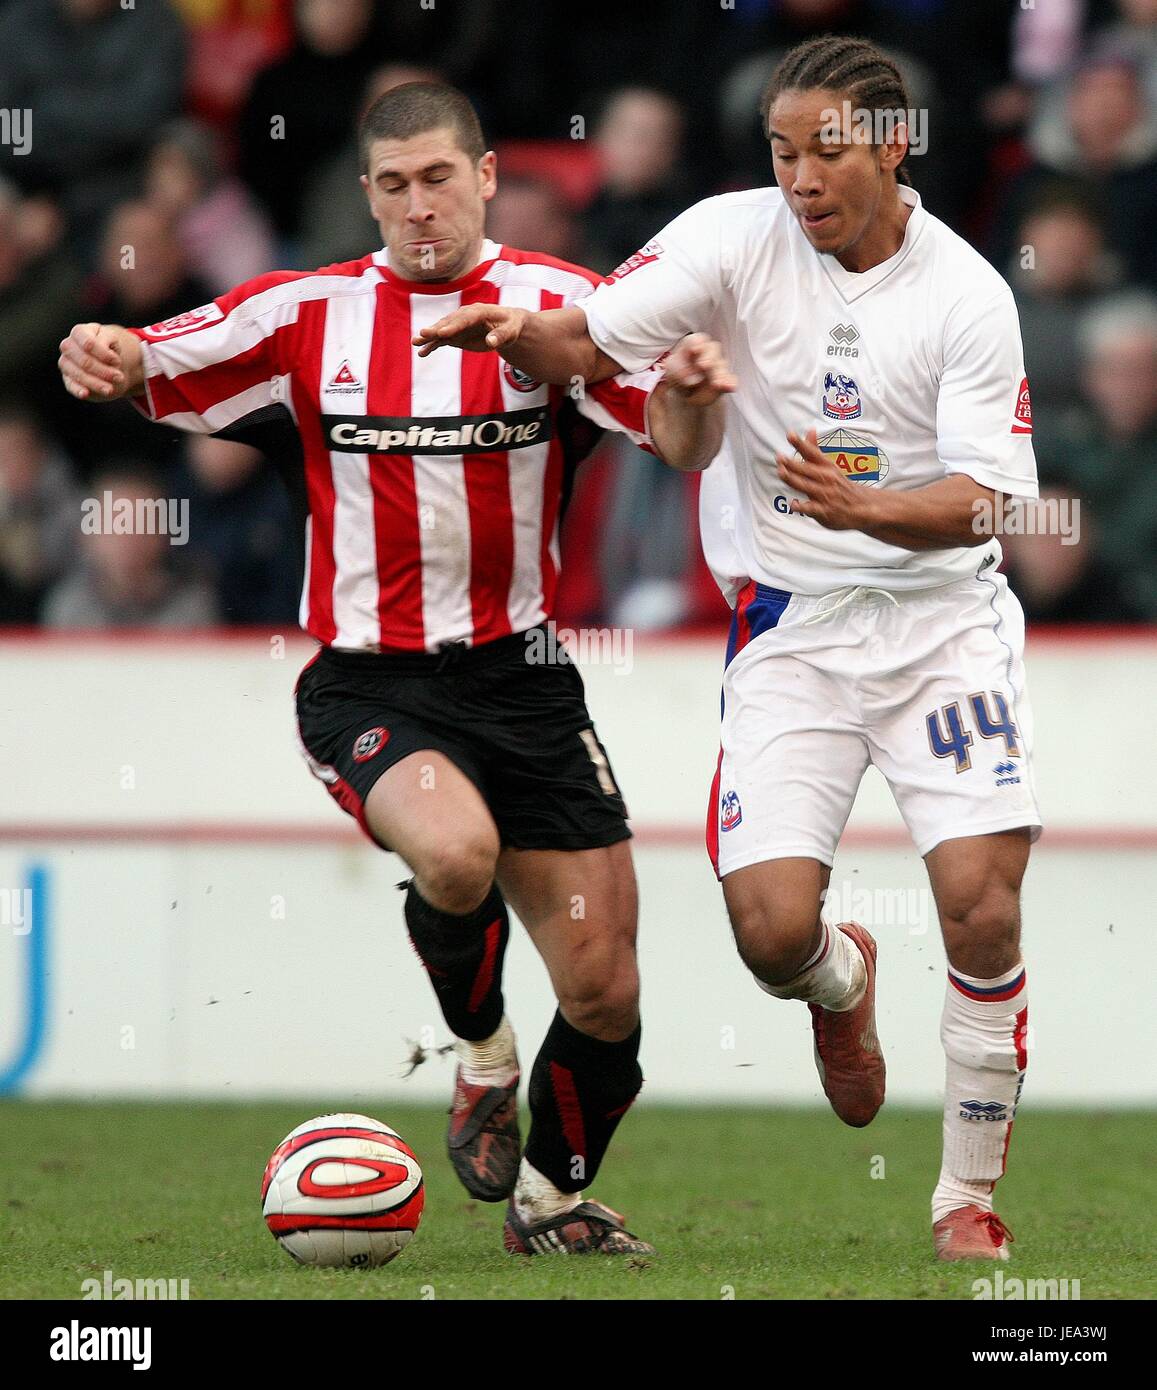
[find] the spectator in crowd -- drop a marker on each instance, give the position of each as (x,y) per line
(646,537)
(336,221)
(229,43)
(97,79)
(639,141)
(223,233)
(129,577)
(40,283)
(144,275)
(240,531)
(1105,448)
(1059,577)
(301,109)
(119,178)
(1134,27)
(1099,130)
(1060,269)
(533,213)
(39,515)
(143,278)
(1047,40)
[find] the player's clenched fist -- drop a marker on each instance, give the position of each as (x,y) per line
(697,369)
(100,361)
(473,328)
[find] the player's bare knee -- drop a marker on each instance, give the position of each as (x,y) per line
(456,876)
(981,927)
(773,943)
(601,996)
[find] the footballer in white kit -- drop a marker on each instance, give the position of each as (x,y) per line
(881,414)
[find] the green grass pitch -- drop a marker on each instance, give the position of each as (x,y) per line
(743,1203)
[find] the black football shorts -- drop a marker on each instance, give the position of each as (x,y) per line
(518,729)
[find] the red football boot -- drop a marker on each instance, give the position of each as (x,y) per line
(970,1233)
(848,1055)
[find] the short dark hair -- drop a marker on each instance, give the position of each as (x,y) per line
(416,107)
(840,64)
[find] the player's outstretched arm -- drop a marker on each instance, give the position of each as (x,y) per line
(102,362)
(552,345)
(686,410)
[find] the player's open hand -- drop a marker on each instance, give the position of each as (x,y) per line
(829,497)
(90,362)
(697,369)
(473,328)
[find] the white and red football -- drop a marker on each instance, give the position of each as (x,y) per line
(343,1190)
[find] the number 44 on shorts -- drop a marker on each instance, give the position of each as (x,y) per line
(948,738)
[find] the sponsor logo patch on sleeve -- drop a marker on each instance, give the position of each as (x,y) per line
(1022,416)
(644,256)
(181,323)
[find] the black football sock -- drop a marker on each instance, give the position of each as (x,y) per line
(463,956)
(580,1088)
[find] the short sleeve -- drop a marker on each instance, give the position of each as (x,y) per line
(663,292)
(621,403)
(213,366)
(983,411)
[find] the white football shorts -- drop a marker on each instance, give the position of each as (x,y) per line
(928,686)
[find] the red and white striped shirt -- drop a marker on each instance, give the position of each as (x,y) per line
(434,484)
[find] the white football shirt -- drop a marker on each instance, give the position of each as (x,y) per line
(909,371)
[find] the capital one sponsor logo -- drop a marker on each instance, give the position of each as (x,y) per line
(438,435)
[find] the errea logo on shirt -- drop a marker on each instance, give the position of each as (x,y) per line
(843,335)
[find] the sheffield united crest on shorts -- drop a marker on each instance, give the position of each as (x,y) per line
(841,397)
(730,811)
(369,743)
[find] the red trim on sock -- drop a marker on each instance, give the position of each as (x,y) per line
(1020,1039)
(1000,996)
(485,977)
(569,1110)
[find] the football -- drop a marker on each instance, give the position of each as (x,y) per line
(343,1190)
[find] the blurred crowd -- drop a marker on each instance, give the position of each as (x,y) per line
(179,147)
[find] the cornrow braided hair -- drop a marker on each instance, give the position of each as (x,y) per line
(837,63)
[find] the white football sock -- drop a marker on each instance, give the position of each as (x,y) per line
(491,1062)
(835,976)
(983,1029)
(537,1199)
